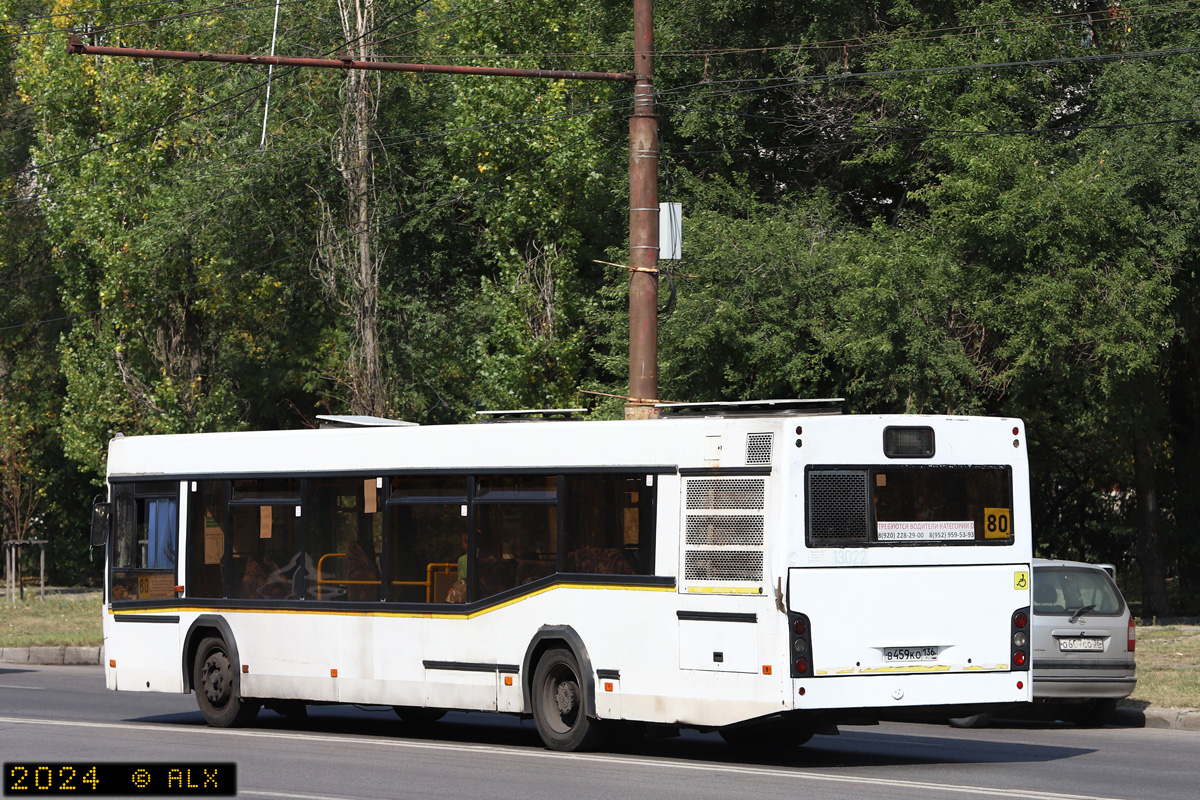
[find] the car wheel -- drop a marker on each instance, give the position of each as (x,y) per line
(216,695)
(1094,713)
(981,720)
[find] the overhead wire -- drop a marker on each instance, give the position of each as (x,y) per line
(181,117)
(927,133)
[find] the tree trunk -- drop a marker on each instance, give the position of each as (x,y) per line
(350,262)
(1149,547)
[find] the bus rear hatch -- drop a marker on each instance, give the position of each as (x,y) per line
(888,620)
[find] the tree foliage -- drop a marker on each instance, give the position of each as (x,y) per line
(947,208)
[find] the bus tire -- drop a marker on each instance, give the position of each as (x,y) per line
(216,691)
(981,720)
(558,704)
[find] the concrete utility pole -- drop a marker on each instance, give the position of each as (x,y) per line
(643,170)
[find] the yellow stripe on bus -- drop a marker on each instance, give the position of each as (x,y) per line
(393,614)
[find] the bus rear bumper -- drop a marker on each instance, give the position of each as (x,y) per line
(910,690)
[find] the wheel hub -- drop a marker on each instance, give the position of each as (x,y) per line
(216,679)
(567,697)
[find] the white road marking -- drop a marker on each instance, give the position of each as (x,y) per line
(599,758)
(14,686)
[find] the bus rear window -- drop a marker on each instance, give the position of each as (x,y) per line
(909,505)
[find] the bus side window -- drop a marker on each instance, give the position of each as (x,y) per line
(206,540)
(345,538)
(609,525)
(425,529)
(517,537)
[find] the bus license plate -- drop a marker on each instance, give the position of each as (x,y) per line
(1081,643)
(910,653)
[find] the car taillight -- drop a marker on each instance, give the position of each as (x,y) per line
(1017,640)
(1131,641)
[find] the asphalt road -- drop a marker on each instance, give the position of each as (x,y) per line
(66,714)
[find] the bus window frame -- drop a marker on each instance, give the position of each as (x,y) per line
(872,521)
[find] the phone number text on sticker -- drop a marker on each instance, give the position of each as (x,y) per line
(924,531)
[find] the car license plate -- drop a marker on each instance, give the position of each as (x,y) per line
(908,654)
(1081,643)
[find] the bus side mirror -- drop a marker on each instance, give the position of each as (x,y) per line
(101,523)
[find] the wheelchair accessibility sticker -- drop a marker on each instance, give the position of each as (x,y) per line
(1020,580)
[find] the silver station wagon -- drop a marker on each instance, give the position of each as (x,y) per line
(1082,643)
(1083,640)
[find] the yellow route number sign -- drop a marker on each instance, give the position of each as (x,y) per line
(1021,580)
(997,523)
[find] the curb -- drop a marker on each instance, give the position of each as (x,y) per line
(1180,719)
(56,656)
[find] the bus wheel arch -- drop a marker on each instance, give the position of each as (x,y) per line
(559,690)
(549,637)
(203,627)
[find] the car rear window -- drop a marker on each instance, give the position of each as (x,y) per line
(1065,590)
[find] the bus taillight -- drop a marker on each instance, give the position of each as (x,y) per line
(1018,638)
(800,640)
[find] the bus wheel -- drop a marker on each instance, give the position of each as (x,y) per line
(558,711)
(215,694)
(418,715)
(980,720)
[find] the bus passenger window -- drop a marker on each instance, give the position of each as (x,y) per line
(267,561)
(608,525)
(206,540)
(517,537)
(345,539)
(426,527)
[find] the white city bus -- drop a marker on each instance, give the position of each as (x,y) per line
(763,569)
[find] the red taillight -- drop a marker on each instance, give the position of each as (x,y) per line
(799,627)
(1020,619)
(801,665)
(1019,658)
(1131,641)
